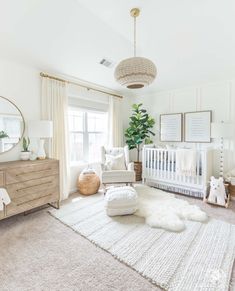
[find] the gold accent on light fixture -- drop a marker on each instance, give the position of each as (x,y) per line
(135,12)
(135,72)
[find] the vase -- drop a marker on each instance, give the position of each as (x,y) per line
(24,156)
(41,151)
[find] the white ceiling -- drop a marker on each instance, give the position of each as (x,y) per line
(190,41)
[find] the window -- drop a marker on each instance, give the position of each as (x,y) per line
(88,132)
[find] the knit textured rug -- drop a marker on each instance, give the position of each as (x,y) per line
(199,258)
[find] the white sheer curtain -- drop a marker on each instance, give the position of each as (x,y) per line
(115,122)
(54,106)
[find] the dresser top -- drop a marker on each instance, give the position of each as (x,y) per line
(20,163)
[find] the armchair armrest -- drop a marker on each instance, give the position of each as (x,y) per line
(130,167)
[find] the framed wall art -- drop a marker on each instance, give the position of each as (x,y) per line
(197,126)
(171,127)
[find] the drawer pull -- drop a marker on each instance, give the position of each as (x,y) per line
(47,183)
(20,174)
(18,204)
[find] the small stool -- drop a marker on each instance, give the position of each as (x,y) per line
(88,182)
(121,201)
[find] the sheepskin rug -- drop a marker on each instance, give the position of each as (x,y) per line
(163,210)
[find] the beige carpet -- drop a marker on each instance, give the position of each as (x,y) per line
(187,260)
(37,252)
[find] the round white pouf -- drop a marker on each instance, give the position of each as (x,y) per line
(121,201)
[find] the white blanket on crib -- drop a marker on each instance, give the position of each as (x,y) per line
(4,198)
(186,162)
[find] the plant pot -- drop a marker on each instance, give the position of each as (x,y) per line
(138,170)
(24,156)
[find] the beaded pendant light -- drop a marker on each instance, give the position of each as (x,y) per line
(135,72)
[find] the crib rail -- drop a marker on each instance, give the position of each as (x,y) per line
(159,165)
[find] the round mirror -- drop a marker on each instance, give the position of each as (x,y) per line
(12,125)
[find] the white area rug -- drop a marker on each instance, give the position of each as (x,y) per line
(163,210)
(199,258)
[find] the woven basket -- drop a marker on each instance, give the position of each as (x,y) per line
(138,170)
(232,190)
(88,183)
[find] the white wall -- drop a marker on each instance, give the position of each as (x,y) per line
(218,97)
(20,84)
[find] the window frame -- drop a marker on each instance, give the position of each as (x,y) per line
(85,132)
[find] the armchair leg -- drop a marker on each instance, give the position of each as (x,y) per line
(104,186)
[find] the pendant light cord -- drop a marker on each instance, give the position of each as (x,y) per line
(135,36)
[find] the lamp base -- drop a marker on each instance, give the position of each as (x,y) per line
(41,155)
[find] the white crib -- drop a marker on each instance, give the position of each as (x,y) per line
(159,170)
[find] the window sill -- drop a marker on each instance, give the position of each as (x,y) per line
(83,163)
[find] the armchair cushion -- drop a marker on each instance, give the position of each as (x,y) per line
(130,166)
(117,176)
(115,162)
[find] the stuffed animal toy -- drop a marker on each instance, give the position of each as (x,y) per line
(217,191)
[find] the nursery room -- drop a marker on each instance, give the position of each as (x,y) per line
(117,145)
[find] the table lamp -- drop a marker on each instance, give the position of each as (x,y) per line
(40,129)
(221,130)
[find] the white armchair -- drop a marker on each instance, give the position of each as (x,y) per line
(125,175)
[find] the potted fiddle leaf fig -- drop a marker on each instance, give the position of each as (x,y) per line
(138,133)
(25,153)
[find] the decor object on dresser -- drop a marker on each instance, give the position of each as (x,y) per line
(138,133)
(12,125)
(29,184)
(40,129)
(197,126)
(88,182)
(171,127)
(116,166)
(25,153)
(221,130)
(159,170)
(121,201)
(135,72)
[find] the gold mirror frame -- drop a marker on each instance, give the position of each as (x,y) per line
(23,131)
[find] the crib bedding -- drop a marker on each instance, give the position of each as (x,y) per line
(159,169)
(168,166)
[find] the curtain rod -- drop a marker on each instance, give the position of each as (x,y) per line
(77,84)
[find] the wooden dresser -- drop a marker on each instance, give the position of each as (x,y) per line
(29,184)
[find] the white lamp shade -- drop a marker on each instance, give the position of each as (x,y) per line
(40,128)
(222,129)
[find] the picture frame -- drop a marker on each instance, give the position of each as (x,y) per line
(197,126)
(171,127)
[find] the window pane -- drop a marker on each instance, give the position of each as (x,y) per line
(76,147)
(96,140)
(97,122)
(75,120)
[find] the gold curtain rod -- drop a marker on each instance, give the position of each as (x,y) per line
(77,84)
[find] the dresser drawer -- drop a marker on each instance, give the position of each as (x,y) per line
(33,189)
(35,171)
(15,208)
(1,178)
